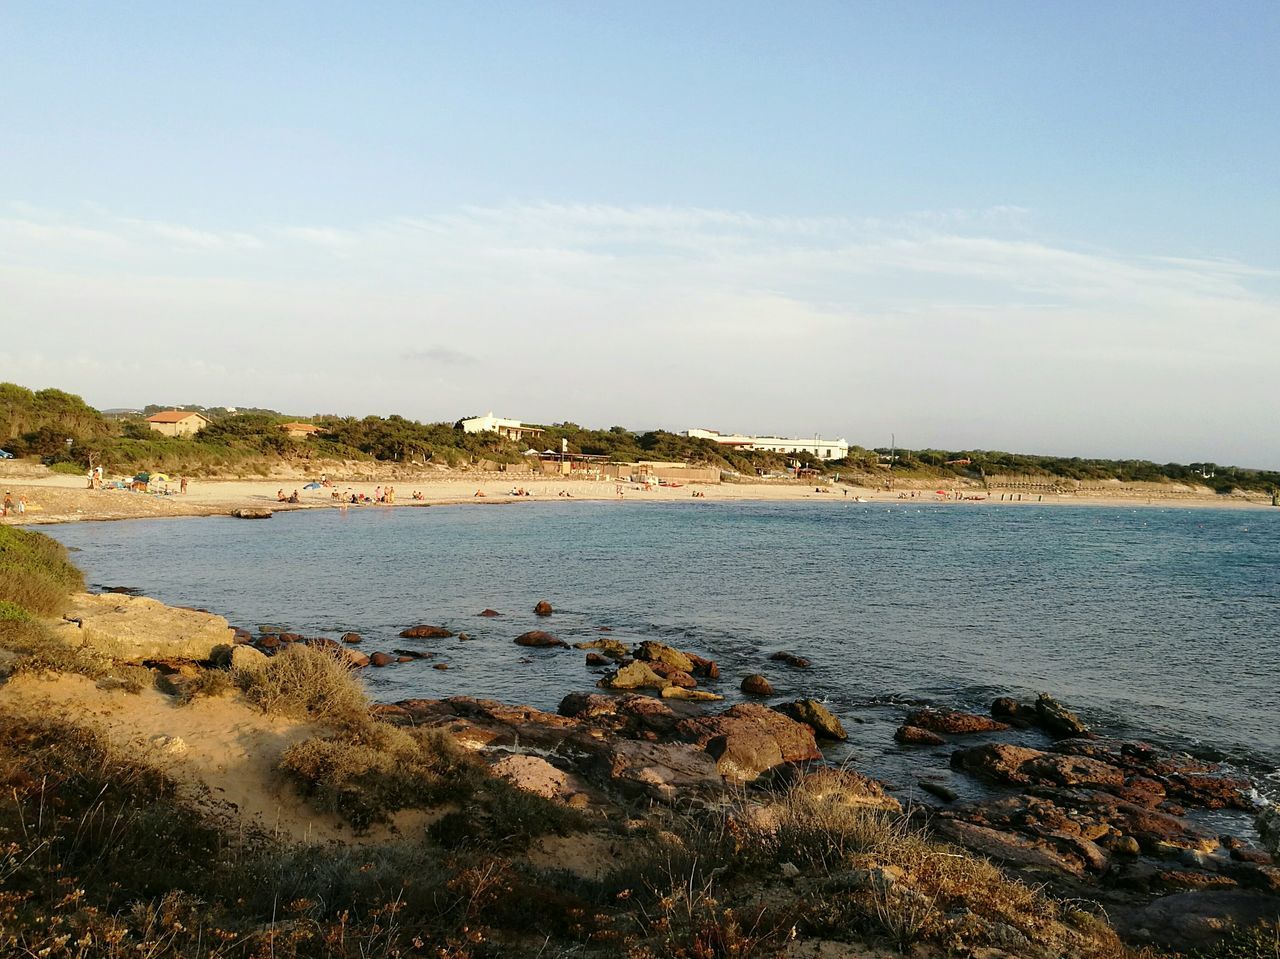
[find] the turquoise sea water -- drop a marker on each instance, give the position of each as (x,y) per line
(1151,622)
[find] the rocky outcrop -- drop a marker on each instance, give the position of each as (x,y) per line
(635,675)
(1057,720)
(539,639)
(791,659)
(748,739)
(425,632)
(609,647)
(952,722)
(1198,920)
(815,715)
(660,653)
(137,628)
(251,512)
(915,736)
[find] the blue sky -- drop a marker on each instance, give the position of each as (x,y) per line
(1048,227)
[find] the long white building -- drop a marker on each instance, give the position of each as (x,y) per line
(511,429)
(822,449)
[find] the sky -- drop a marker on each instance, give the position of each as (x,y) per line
(969,225)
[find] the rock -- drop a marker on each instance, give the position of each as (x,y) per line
(248,512)
(748,739)
(609,647)
(1009,847)
(489,613)
(352,638)
(290,637)
(1180,777)
(595,659)
(789,870)
(1057,720)
(405,659)
(1125,846)
(952,722)
(756,685)
(381,659)
(706,668)
(242,637)
(670,772)
(915,736)
(136,628)
(692,695)
(465,637)
(1269,829)
(945,793)
(543,608)
(1190,921)
(246,657)
(440,666)
(629,715)
(655,652)
(172,745)
(269,642)
(425,632)
(677,677)
(791,659)
(532,774)
(637,675)
(814,714)
(339,651)
(1010,710)
(414,653)
(537,637)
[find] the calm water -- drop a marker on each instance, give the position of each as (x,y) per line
(1161,623)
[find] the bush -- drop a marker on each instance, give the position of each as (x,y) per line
(68,469)
(307,682)
(34,571)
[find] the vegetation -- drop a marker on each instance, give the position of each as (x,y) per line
(39,424)
(307,683)
(35,574)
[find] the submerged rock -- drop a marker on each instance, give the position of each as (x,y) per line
(609,647)
(381,659)
(952,722)
(791,659)
(543,608)
(915,736)
(489,613)
(756,685)
(425,632)
(537,638)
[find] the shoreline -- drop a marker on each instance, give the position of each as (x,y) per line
(64,499)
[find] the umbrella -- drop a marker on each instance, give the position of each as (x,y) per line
(159,478)
(941,492)
(312,486)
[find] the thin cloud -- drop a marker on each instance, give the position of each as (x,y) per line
(442,356)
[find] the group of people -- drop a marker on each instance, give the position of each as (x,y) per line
(291,498)
(519,491)
(17,507)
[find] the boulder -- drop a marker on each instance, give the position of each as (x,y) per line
(629,715)
(945,793)
(543,608)
(812,713)
(791,659)
(677,677)
(747,739)
(915,736)
(609,647)
(843,787)
(251,512)
(1009,710)
(756,685)
(489,613)
(1057,720)
(425,632)
(1198,920)
(691,695)
(636,675)
(352,638)
(246,657)
(532,774)
(137,628)
(706,668)
(654,652)
(381,659)
(538,638)
(669,772)
(595,659)
(952,722)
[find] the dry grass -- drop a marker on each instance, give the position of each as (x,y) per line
(35,573)
(307,682)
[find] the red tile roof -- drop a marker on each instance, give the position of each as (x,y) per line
(175,416)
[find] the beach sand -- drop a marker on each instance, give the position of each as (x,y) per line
(61,499)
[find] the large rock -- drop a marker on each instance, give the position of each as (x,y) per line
(691,695)
(666,771)
(609,647)
(630,715)
(1057,720)
(137,628)
(654,652)
(756,685)
(1198,920)
(952,722)
(1010,847)
(538,638)
(543,608)
(534,774)
(677,677)
(748,739)
(339,651)
(1182,778)
(636,675)
(425,632)
(812,713)
(915,736)
(844,787)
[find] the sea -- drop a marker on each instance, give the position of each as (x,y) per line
(1152,623)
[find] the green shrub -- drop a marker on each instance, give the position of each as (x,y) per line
(13,613)
(35,573)
(307,682)
(69,469)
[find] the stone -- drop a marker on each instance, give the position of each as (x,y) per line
(945,793)
(952,722)
(748,739)
(1125,846)
(242,637)
(637,675)
(1057,720)
(414,653)
(791,659)
(915,736)
(691,695)
(465,637)
(440,666)
(1269,829)
(595,659)
(136,628)
(1008,709)
(247,658)
(405,659)
(338,651)
(756,685)
(543,608)
(789,870)
(489,613)
(1009,847)
(1189,921)
(631,715)
(706,668)
(381,659)
(843,787)
(609,647)
(532,774)
(251,512)
(538,638)
(813,713)
(654,652)
(352,638)
(269,641)
(670,772)
(426,632)
(677,677)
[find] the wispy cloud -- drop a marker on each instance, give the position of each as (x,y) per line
(441,356)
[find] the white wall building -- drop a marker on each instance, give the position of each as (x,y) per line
(511,429)
(822,449)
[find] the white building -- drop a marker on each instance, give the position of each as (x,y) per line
(822,449)
(512,429)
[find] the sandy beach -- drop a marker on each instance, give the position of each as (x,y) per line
(61,499)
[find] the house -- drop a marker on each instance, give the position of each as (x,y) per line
(510,429)
(177,422)
(820,448)
(300,431)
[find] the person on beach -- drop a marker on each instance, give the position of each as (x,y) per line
(8,503)
(280,497)
(295,498)
(22,505)
(182,485)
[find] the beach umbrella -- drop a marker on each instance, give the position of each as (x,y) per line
(159,478)
(941,492)
(312,486)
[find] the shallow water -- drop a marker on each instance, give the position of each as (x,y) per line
(1152,622)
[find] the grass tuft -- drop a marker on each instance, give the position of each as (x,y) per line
(307,682)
